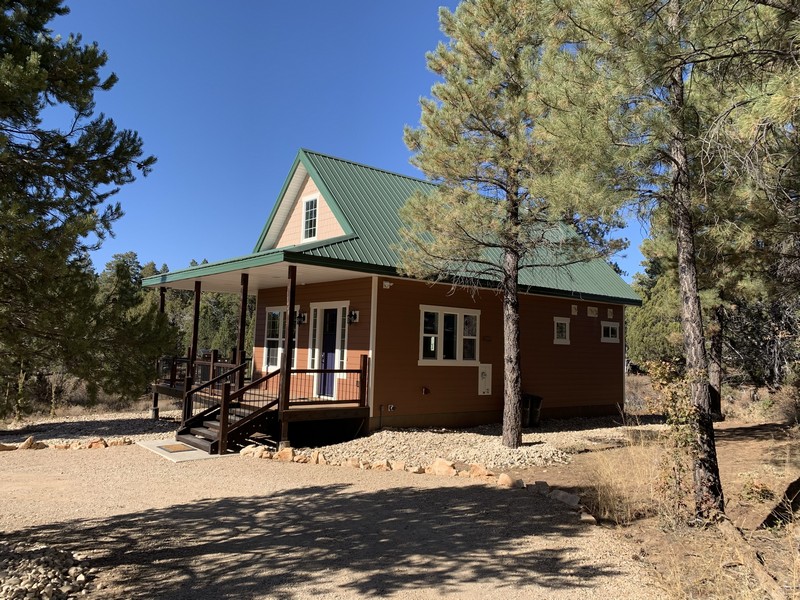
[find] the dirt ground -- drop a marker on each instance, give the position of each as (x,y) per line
(245,528)
(757,462)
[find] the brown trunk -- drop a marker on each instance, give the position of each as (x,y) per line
(715,363)
(707,485)
(512,388)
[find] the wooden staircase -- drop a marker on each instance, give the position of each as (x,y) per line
(203,431)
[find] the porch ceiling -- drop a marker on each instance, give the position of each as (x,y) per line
(261,277)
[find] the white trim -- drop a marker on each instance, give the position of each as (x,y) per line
(373,330)
(609,339)
(343,305)
(460,313)
(281,337)
(558,340)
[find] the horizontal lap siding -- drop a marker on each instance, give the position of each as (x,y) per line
(399,381)
(582,378)
(356,292)
(585,377)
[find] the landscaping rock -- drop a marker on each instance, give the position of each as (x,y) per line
(569,499)
(27,444)
(540,487)
(415,470)
(96,443)
(314,457)
(442,467)
(284,455)
(301,459)
(353,463)
(479,471)
(381,465)
(397,465)
(36,571)
(588,518)
(248,451)
(5,448)
(506,481)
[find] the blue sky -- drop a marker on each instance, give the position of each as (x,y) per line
(225,93)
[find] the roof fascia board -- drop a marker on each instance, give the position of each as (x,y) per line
(281,197)
(325,191)
(234,264)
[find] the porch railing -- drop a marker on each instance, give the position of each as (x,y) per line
(173,370)
(240,408)
(204,398)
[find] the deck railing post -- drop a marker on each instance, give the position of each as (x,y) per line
(154,406)
(187,398)
(362,381)
(223,417)
(214,361)
(173,371)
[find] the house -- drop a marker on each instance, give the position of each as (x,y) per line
(385,350)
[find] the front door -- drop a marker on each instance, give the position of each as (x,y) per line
(327,352)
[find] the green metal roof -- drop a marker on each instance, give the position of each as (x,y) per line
(366,202)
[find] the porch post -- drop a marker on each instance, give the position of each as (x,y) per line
(187,400)
(162,291)
(240,354)
(286,361)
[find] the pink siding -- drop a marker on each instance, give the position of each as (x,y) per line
(327,225)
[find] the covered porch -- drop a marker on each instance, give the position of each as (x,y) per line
(225,400)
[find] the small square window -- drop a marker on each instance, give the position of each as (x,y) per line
(560,330)
(609,332)
(591,311)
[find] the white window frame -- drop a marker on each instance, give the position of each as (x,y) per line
(304,220)
(460,314)
(556,339)
(609,339)
(315,337)
(281,310)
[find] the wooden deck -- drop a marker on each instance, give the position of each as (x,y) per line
(225,411)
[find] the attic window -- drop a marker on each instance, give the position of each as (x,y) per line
(310,219)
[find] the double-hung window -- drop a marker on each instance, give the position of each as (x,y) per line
(561,330)
(309,219)
(273,339)
(448,336)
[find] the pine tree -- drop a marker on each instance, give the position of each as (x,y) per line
(502,205)
(659,75)
(56,183)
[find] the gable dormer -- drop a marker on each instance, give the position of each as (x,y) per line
(305,212)
(311,218)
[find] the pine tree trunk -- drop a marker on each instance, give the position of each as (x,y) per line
(715,363)
(707,485)
(512,388)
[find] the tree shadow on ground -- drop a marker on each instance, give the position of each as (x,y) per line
(88,428)
(328,540)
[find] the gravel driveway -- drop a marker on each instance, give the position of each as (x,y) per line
(243,528)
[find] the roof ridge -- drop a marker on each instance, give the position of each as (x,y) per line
(370,167)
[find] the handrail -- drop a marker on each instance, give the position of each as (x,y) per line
(217,379)
(241,391)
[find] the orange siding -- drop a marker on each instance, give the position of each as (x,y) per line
(585,377)
(327,225)
(355,292)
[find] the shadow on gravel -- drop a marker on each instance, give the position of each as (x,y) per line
(87,428)
(325,540)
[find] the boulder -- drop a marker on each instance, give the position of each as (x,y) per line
(588,518)
(540,487)
(506,481)
(248,451)
(479,471)
(353,463)
(415,470)
(266,454)
(38,446)
(284,455)
(397,465)
(381,465)
(314,460)
(27,444)
(97,443)
(442,467)
(301,459)
(323,460)
(569,499)
(5,448)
